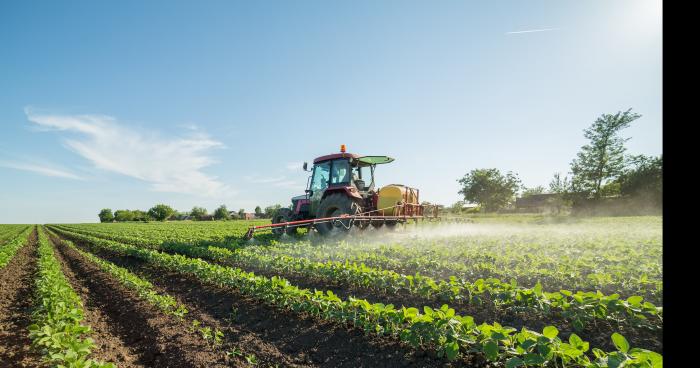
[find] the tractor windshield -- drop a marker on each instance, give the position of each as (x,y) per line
(340,172)
(320,177)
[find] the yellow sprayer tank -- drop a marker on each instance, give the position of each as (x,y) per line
(393,194)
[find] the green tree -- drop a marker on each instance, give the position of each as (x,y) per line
(221,213)
(160,212)
(604,157)
(560,185)
(241,213)
(123,215)
(270,210)
(141,215)
(258,211)
(644,178)
(106,215)
(198,212)
(489,188)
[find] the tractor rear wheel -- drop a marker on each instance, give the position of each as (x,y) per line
(283,215)
(336,204)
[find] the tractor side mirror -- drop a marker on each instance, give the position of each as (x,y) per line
(306,165)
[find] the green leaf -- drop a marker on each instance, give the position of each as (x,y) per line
(452,350)
(620,342)
(491,350)
(550,332)
(514,362)
(635,300)
(534,359)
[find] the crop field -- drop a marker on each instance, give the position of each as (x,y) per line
(502,291)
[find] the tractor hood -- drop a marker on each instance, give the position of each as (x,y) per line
(374,160)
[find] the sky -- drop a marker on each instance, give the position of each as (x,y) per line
(125,104)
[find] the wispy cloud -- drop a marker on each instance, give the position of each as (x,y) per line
(258,180)
(168,164)
(41,169)
(294,166)
(533,30)
(279,181)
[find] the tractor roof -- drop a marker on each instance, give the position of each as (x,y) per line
(334,156)
(366,160)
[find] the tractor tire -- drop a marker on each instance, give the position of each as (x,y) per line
(336,204)
(283,215)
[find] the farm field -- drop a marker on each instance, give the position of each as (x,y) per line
(496,291)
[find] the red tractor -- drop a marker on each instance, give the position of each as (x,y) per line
(341,194)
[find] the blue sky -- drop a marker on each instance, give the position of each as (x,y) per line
(127,104)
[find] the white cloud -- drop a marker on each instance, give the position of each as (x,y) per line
(168,164)
(294,166)
(41,169)
(258,180)
(533,30)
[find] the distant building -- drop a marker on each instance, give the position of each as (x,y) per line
(534,202)
(249,216)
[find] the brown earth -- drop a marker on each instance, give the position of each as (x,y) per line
(16,302)
(597,334)
(243,341)
(308,340)
(128,331)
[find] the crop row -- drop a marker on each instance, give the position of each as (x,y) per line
(146,291)
(614,259)
(57,329)
(9,249)
(441,329)
(579,307)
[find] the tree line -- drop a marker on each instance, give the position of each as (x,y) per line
(163,212)
(601,169)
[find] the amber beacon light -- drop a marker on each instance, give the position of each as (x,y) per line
(342,148)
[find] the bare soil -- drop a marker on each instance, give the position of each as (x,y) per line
(306,339)
(16,302)
(598,334)
(127,330)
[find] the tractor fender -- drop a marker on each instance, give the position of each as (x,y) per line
(349,191)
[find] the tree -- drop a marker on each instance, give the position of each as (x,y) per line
(123,215)
(531,191)
(241,213)
(489,188)
(603,158)
(270,210)
(560,185)
(160,212)
(258,211)
(106,215)
(141,215)
(198,212)
(643,179)
(221,213)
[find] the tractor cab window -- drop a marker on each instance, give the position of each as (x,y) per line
(340,172)
(320,178)
(362,177)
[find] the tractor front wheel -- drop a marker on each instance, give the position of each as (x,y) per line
(283,215)
(336,204)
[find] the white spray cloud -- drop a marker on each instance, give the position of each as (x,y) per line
(168,164)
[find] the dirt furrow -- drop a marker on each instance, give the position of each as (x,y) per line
(16,293)
(307,339)
(597,334)
(127,330)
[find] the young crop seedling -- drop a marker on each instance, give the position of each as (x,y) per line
(251,359)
